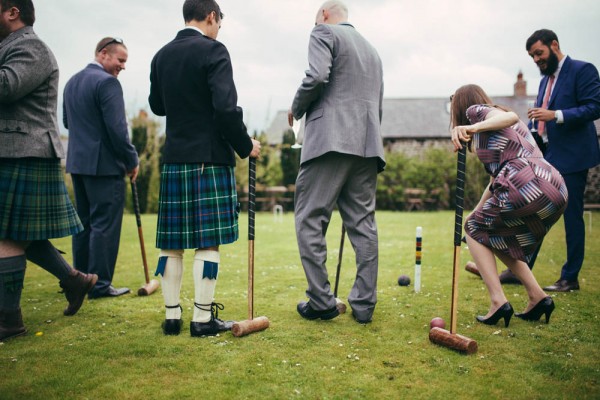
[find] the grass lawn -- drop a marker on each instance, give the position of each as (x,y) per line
(115,349)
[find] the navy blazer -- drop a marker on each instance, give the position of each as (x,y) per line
(191,82)
(573,145)
(94,113)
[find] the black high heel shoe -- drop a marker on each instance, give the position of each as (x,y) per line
(505,311)
(545,306)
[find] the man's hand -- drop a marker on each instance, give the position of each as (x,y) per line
(134,173)
(290,118)
(255,153)
(540,114)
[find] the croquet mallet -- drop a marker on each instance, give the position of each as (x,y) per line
(252,324)
(441,336)
(341,306)
(151,285)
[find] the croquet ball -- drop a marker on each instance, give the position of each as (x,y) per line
(437,322)
(403,280)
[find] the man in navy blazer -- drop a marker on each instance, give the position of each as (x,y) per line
(566,125)
(99,155)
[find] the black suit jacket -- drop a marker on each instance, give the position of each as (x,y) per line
(191,82)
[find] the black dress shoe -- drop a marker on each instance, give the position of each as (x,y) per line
(360,320)
(210,328)
(563,285)
(545,306)
(507,277)
(505,311)
(306,311)
(172,326)
(110,292)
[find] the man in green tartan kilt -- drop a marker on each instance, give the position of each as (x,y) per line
(192,84)
(34,205)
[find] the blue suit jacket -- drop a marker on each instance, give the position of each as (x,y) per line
(94,113)
(573,145)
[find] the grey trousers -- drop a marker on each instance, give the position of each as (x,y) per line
(350,182)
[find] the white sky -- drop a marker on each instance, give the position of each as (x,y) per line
(428,47)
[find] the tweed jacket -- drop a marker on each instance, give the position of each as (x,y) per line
(341,95)
(28,97)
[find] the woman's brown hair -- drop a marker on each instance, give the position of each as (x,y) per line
(464,97)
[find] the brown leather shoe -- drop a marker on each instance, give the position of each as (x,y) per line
(472,268)
(563,285)
(75,287)
(11,324)
(507,277)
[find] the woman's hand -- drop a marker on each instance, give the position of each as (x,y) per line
(462,133)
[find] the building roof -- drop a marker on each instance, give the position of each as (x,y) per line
(418,118)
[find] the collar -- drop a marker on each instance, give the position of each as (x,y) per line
(196,29)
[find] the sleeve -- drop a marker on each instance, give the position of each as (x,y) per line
(320,62)
(25,67)
(477,112)
(155,97)
(112,106)
(587,90)
(229,118)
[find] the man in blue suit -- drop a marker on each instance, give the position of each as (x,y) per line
(568,102)
(99,155)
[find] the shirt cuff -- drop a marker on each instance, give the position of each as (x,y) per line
(559,117)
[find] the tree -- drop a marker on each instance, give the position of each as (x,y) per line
(290,158)
(144,136)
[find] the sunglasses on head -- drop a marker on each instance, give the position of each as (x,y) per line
(112,41)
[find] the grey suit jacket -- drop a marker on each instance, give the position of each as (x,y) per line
(342,95)
(28,96)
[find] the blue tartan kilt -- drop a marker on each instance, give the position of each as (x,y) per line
(34,204)
(197,206)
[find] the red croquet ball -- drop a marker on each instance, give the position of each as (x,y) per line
(437,322)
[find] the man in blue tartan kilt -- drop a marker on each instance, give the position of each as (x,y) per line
(34,205)
(192,85)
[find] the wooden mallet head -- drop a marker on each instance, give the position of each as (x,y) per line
(452,341)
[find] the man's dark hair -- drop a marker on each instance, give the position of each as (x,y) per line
(200,9)
(546,36)
(26,9)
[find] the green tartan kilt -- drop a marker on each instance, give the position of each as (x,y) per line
(197,206)
(34,204)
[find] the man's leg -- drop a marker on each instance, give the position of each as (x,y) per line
(12,276)
(317,188)
(357,207)
(81,240)
(574,225)
(107,200)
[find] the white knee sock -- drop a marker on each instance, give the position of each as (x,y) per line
(206,268)
(171,281)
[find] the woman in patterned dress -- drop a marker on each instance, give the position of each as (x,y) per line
(525,197)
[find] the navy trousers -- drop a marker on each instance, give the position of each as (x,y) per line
(99,201)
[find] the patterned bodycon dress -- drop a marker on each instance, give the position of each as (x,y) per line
(528,194)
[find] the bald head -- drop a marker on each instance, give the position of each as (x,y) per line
(332,12)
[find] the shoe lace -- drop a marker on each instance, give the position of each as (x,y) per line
(212,307)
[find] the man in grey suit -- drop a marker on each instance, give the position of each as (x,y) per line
(342,154)
(34,205)
(99,155)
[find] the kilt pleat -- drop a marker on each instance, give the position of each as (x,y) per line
(34,203)
(198,206)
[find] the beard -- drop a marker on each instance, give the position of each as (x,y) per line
(551,64)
